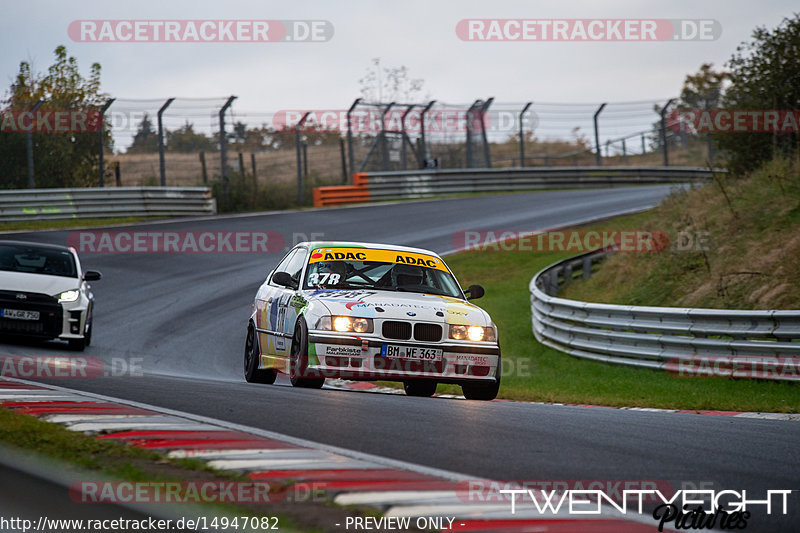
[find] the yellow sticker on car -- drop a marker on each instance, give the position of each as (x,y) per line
(381,256)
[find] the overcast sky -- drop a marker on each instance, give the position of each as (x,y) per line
(418,34)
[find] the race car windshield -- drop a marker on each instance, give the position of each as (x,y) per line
(35,260)
(356,274)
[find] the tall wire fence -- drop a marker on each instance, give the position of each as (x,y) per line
(284,153)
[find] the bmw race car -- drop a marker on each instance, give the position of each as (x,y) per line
(44,293)
(362,311)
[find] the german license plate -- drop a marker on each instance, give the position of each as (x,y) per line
(19,314)
(411,352)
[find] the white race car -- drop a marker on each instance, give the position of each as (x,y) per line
(363,311)
(44,294)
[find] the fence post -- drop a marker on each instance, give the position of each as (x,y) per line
(299,158)
(241,166)
(522,135)
(255,176)
(403,128)
(161,141)
(384,147)
(117,176)
(598,155)
(29,149)
(101,138)
(350,138)
(624,153)
(663,114)
(344,163)
(305,159)
(423,149)
(223,156)
(203,167)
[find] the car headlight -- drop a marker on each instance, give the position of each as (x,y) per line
(472,333)
(69,296)
(345,324)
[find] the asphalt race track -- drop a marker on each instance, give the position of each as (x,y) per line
(184,315)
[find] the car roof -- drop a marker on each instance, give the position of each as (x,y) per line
(12,242)
(313,245)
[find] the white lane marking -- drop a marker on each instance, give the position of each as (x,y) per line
(289,464)
(393,496)
(353,454)
(93,427)
(266,453)
(68,419)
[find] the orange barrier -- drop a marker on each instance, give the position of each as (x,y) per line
(343,194)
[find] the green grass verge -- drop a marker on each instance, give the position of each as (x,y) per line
(538,373)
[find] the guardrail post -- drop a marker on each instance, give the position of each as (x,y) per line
(101,138)
(299,160)
(223,156)
(598,155)
(350,138)
(522,135)
(663,114)
(587,267)
(161,141)
(29,148)
(423,149)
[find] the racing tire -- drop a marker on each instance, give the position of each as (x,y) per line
(423,388)
(482,391)
(299,374)
(252,373)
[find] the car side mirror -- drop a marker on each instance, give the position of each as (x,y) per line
(284,280)
(474,292)
(92,275)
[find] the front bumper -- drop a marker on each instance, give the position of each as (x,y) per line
(56,320)
(359,358)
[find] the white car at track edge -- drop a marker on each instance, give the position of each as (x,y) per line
(361,311)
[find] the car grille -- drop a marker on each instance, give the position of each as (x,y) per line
(396,330)
(402,331)
(427,332)
(50,314)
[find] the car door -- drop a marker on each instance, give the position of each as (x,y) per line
(287,313)
(267,315)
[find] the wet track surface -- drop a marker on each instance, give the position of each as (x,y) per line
(184,315)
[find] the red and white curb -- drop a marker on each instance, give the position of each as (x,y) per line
(366,386)
(396,488)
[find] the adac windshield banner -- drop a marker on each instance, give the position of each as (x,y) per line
(381,256)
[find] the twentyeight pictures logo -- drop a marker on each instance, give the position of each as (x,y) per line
(588,30)
(199,31)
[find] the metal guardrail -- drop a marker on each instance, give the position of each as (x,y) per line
(426,183)
(684,341)
(40,204)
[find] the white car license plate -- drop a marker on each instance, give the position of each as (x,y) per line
(411,352)
(19,314)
